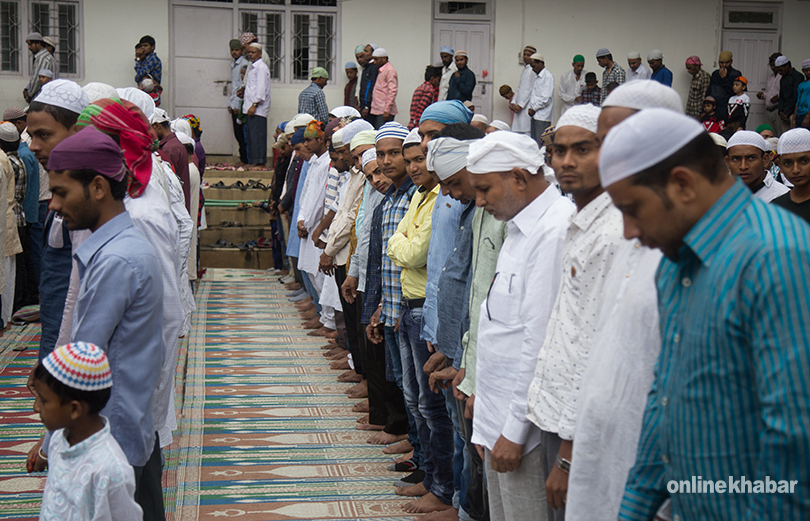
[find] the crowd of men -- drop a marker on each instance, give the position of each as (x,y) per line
(607,321)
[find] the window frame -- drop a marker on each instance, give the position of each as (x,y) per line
(24,27)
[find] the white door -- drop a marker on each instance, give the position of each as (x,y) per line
(751,50)
(475,38)
(202,72)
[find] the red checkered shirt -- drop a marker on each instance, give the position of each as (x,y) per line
(423,96)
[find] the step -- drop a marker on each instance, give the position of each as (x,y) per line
(247,216)
(228,181)
(235,235)
(236,194)
(256,259)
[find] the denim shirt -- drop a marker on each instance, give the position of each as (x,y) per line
(120,309)
(446,214)
(454,290)
(31,199)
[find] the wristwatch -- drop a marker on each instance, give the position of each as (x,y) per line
(564,464)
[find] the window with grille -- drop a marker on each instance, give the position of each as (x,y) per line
(58,19)
(296,34)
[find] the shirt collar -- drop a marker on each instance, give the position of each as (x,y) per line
(167,139)
(40,53)
(102,236)
(394,192)
(707,235)
(80,448)
(527,218)
(585,217)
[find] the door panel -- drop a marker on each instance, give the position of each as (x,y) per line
(751,51)
(475,38)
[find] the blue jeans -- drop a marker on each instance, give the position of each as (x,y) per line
(35,237)
(393,345)
(461,458)
(428,408)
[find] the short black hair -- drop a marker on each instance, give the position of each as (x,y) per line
(10,146)
(96,400)
(432,72)
(700,154)
(118,189)
(608,56)
(66,118)
(591,76)
(189,148)
(147,39)
(461,131)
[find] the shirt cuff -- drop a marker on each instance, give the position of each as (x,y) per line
(636,507)
(516,430)
(354,269)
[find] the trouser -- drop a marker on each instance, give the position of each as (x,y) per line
(26,291)
(285,235)
(538,127)
(386,406)
(354,333)
(296,273)
(35,238)
(311,291)
(340,327)
(461,457)
(550,446)
(428,408)
(239,134)
(772,116)
(257,137)
(378,120)
(149,486)
(477,498)
(393,344)
(519,495)
(8,293)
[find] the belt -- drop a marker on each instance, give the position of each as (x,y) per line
(415,303)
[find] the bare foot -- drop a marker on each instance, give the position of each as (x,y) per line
(328,347)
(363,419)
(400,448)
(369,427)
(451,514)
(331,334)
(322,331)
(292,286)
(303,305)
(405,457)
(384,438)
(339,364)
(312,324)
(425,504)
(337,354)
(342,377)
(361,407)
(359,391)
(309,315)
(417,490)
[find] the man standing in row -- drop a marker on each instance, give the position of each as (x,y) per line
(659,72)
(788,90)
(771,96)
(462,82)
(541,102)
(312,100)
(722,83)
(386,86)
(42,60)
(235,101)
(636,70)
(448,69)
(363,53)
(257,101)
(698,87)
(572,83)
(522,122)
(612,73)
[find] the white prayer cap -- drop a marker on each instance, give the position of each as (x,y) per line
(500,125)
(379,52)
(718,139)
(181,126)
(301,120)
(365,137)
(773,141)
(255,45)
(643,140)
(159,116)
(141,99)
(343,111)
(413,137)
(34,37)
(503,151)
(748,138)
(643,94)
(96,91)
(583,116)
(539,57)
(337,139)
(65,94)
(374,46)
(447,156)
(480,118)
(9,132)
(369,156)
(184,138)
(635,55)
(780,60)
(602,52)
(655,54)
(45,72)
(794,141)
(354,128)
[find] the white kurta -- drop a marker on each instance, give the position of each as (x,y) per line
(311,211)
(571,88)
(444,84)
(771,190)
(194,181)
(615,386)
(522,122)
(642,73)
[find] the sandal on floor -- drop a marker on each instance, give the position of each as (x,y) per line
(222,243)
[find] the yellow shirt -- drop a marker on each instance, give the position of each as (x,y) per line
(408,247)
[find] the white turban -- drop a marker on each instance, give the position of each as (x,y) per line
(96,91)
(141,99)
(655,54)
(63,93)
(583,116)
(644,94)
(447,156)
(794,141)
(369,156)
(159,116)
(718,139)
(354,128)
(500,125)
(413,137)
(480,118)
(748,138)
(184,138)
(301,120)
(503,151)
(181,125)
(774,142)
(643,140)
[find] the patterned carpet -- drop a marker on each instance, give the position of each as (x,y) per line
(266,432)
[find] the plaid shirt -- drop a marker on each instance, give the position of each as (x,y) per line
(615,73)
(150,66)
(423,96)
(20,177)
(372,295)
(697,93)
(312,101)
(593,97)
(395,206)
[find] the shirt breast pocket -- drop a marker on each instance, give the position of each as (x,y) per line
(503,299)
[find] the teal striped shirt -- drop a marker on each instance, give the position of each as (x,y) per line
(731,395)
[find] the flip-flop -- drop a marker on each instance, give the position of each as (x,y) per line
(222,243)
(218,185)
(263,242)
(238,184)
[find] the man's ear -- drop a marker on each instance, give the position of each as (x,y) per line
(519,176)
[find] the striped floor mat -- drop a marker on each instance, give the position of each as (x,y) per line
(266,433)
